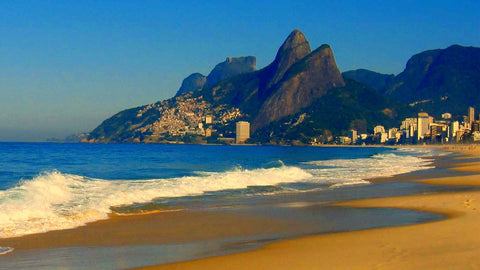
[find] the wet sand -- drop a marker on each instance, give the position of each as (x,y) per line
(157,228)
(452,243)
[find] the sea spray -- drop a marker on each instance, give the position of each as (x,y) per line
(54,200)
(343,172)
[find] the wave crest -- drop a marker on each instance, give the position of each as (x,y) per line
(53,200)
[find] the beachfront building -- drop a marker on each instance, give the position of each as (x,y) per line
(353,135)
(378,129)
(446,116)
(454,128)
(409,122)
(242,131)
(392,132)
(422,125)
(471,117)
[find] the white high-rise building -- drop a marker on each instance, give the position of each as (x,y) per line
(422,125)
(471,117)
(242,131)
(454,127)
(353,134)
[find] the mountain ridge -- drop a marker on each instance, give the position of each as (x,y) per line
(439,80)
(292,96)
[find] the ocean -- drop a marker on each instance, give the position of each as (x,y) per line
(48,186)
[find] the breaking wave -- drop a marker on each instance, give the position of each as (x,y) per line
(54,200)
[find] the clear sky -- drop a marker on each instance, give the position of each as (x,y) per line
(65,66)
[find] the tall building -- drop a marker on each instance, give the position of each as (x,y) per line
(454,127)
(471,116)
(353,134)
(422,125)
(242,131)
(409,122)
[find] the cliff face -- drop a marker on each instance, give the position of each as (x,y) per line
(305,80)
(193,82)
(293,49)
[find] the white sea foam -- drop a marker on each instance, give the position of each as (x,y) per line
(343,172)
(53,200)
(5,250)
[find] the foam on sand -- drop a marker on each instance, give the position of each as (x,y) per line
(54,200)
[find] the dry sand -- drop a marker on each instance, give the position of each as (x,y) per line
(453,243)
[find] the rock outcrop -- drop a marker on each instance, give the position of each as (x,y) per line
(231,67)
(293,49)
(193,82)
(305,81)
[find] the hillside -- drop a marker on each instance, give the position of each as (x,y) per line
(437,81)
(353,106)
(372,79)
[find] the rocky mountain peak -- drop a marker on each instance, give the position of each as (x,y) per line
(305,80)
(230,67)
(295,48)
(193,82)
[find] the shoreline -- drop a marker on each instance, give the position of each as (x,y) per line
(451,243)
(177,227)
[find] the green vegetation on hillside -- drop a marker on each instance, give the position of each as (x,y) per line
(354,106)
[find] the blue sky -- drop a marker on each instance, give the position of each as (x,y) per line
(65,66)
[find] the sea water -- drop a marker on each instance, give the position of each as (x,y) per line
(45,186)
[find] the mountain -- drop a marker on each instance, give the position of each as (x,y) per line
(298,82)
(446,80)
(435,81)
(231,67)
(372,79)
(295,78)
(352,106)
(295,48)
(306,80)
(193,82)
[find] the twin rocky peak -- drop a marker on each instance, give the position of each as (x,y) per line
(291,82)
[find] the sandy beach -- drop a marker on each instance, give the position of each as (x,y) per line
(452,243)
